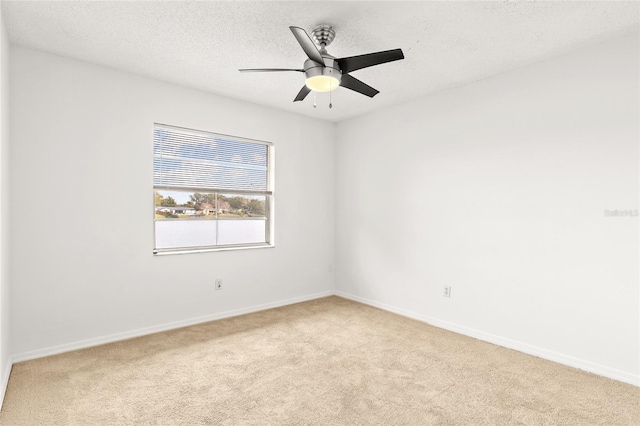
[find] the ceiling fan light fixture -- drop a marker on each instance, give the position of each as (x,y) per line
(322,79)
(322,83)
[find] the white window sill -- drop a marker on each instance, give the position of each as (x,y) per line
(207,250)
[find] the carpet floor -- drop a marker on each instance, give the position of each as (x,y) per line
(327,361)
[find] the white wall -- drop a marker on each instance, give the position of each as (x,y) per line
(498,189)
(82,231)
(5,350)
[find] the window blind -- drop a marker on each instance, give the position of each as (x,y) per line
(206,161)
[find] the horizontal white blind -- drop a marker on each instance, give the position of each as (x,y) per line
(208,161)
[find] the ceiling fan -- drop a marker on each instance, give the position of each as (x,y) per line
(323,72)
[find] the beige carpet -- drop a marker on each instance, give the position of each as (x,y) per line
(328,361)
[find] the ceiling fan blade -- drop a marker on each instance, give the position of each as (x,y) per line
(353,63)
(268,69)
(307,45)
(356,85)
(302,93)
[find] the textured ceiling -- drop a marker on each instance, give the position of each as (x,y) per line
(203,44)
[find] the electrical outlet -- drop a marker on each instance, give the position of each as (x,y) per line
(447,291)
(218,284)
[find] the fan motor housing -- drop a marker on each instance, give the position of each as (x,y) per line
(331,69)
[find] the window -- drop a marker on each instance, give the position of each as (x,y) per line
(211,191)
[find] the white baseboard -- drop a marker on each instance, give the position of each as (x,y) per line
(560,358)
(54,350)
(4,380)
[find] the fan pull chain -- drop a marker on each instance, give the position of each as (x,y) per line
(314,98)
(330,91)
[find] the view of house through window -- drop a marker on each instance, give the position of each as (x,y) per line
(211,191)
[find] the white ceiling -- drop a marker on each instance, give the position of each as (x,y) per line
(203,44)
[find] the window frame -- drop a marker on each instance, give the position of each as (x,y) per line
(268,194)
